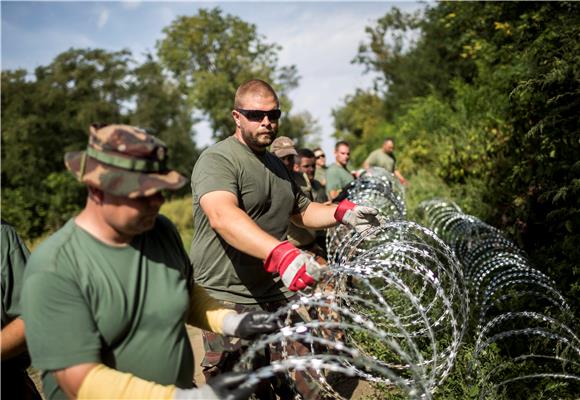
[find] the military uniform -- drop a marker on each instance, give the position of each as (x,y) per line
(122,304)
(15,381)
(266,192)
(125,307)
(337,177)
(378,158)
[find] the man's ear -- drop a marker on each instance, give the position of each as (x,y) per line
(236,117)
(96,195)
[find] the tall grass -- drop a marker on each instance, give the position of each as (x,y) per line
(180,213)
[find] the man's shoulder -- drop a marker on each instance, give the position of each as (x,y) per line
(376,153)
(48,255)
(8,235)
(223,147)
(164,223)
(336,169)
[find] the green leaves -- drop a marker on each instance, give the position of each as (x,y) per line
(210,54)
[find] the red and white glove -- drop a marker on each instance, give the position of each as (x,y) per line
(296,268)
(358,217)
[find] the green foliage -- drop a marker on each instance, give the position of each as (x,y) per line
(46,117)
(207,56)
(179,212)
(301,127)
(482,100)
(360,121)
(161,109)
(210,54)
(64,195)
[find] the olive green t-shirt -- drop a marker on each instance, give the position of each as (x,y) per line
(378,158)
(297,235)
(87,302)
(320,174)
(337,177)
(318,192)
(267,194)
(14,256)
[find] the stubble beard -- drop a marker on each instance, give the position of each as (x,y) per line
(259,141)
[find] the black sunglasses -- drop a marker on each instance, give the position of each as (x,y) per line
(320,156)
(258,115)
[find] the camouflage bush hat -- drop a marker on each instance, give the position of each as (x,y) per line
(283,146)
(124,161)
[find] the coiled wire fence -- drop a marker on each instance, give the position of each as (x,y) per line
(518,311)
(395,305)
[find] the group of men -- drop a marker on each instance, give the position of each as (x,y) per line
(105,299)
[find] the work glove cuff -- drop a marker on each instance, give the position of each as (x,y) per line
(343,207)
(278,254)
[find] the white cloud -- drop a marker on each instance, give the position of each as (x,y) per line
(103,18)
(321,49)
(131,4)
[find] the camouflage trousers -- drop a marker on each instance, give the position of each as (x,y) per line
(222,353)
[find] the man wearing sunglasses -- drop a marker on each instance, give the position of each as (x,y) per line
(243,200)
(320,174)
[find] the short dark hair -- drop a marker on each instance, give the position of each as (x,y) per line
(304,153)
(257,86)
(341,143)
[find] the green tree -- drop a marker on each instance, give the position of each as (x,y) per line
(161,108)
(210,54)
(414,55)
(302,128)
(44,118)
(361,122)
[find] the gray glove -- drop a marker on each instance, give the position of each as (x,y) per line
(249,324)
(360,218)
(228,386)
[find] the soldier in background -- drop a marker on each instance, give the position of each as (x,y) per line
(384,157)
(320,174)
(338,175)
(306,164)
(302,238)
(16,384)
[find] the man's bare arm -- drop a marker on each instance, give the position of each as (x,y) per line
(70,379)
(235,226)
(13,340)
(316,216)
(400,177)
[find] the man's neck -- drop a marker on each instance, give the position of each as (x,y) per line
(239,138)
(92,222)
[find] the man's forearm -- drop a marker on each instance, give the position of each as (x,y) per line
(13,339)
(316,216)
(241,232)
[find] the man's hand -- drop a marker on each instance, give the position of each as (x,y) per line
(249,324)
(358,217)
(297,269)
(228,386)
